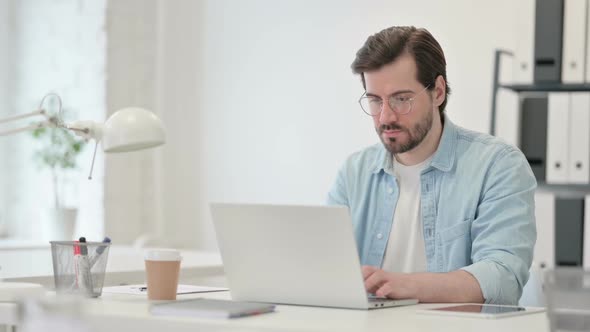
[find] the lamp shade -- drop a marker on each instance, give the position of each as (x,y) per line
(132,129)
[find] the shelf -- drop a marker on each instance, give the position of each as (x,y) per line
(570,190)
(546,87)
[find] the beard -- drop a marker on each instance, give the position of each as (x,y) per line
(415,135)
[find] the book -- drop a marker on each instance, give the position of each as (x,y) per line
(211,308)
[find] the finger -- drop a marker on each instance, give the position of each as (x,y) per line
(374,281)
(367,270)
(385,290)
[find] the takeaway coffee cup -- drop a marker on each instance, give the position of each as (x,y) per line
(162,267)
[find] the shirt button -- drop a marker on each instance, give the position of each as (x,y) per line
(379,236)
(390,190)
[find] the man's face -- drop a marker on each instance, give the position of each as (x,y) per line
(400,133)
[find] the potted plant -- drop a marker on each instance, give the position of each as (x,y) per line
(58,151)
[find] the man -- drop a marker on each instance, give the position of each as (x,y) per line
(440,213)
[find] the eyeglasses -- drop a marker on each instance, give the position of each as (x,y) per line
(400,104)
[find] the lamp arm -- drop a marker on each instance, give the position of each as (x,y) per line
(26,128)
(50,121)
(24,116)
(47,123)
(86,129)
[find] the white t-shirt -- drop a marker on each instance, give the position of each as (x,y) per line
(405,250)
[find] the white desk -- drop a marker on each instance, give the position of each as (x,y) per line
(114,313)
(125,265)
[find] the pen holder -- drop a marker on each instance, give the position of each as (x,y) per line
(79,268)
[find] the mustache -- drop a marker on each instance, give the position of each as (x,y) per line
(390,126)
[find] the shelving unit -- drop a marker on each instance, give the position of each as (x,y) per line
(534,88)
(537,87)
(561,226)
(546,87)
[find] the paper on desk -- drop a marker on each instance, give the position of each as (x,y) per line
(142,289)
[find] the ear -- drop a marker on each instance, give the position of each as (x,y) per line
(440,89)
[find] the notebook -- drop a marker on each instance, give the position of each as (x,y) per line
(211,308)
(142,289)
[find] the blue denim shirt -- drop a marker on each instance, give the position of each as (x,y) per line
(477,207)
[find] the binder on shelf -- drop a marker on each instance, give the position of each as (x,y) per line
(574,41)
(579,138)
(548,41)
(557,137)
(569,223)
(533,134)
(524,56)
(586,252)
(544,254)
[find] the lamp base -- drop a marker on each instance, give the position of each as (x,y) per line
(13,291)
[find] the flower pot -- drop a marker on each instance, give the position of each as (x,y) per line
(60,224)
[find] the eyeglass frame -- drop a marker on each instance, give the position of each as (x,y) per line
(409,101)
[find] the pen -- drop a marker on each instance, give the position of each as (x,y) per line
(76,258)
(85,283)
(141,289)
(99,250)
(84,248)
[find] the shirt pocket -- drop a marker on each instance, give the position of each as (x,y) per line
(459,231)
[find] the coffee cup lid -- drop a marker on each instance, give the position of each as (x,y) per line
(162,255)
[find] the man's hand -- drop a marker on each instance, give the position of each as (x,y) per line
(455,286)
(387,284)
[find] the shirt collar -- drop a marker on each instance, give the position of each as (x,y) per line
(443,158)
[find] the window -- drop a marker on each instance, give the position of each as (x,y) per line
(50,46)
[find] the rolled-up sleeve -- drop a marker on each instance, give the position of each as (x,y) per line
(504,232)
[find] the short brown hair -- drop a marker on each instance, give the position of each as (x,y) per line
(387,45)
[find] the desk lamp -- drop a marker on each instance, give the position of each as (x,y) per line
(128,129)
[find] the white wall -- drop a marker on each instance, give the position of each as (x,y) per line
(261,105)
(180,79)
(258,96)
(132,51)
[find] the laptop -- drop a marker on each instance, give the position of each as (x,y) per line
(285,254)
